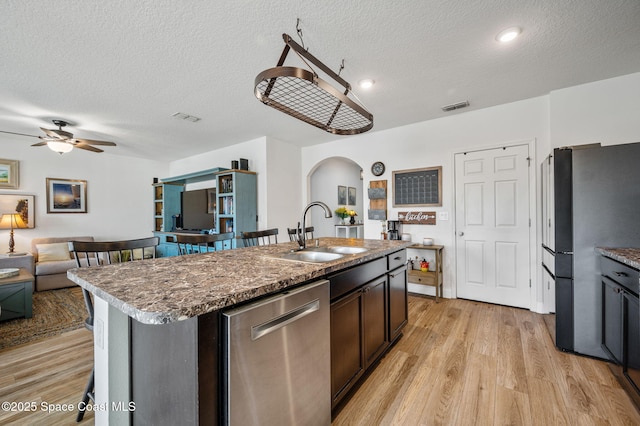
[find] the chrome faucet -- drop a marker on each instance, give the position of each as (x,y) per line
(301,234)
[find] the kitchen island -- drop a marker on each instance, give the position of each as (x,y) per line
(157,323)
(620,286)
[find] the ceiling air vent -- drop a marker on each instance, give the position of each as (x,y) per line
(186,117)
(453,107)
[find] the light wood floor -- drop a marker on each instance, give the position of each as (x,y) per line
(458,363)
(50,371)
(467,363)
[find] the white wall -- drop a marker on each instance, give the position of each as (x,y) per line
(253,150)
(324,181)
(433,143)
(119,193)
(277,165)
(604,111)
(284,187)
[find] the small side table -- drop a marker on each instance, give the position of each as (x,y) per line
(433,277)
(23,260)
(15,296)
(347,230)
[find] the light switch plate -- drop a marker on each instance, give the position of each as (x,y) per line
(443,215)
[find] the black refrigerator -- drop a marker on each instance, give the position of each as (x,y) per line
(595,202)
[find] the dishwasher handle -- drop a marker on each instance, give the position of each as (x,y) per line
(260,330)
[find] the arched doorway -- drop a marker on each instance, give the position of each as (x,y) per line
(324,180)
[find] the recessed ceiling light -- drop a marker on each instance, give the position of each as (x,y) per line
(509,34)
(366,83)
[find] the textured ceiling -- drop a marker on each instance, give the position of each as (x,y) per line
(119,69)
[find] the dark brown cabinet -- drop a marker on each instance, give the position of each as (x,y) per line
(358,334)
(398,308)
(368,311)
(612,319)
(347,357)
(374,322)
(621,320)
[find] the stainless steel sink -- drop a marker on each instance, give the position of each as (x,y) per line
(311,256)
(337,249)
(347,249)
(319,254)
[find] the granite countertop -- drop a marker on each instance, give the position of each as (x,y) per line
(628,256)
(163,290)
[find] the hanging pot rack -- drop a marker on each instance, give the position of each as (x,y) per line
(304,95)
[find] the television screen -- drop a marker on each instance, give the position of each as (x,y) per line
(194,210)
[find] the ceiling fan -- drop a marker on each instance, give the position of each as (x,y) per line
(61,141)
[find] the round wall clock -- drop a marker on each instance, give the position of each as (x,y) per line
(377,168)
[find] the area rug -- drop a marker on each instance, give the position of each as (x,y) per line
(54,312)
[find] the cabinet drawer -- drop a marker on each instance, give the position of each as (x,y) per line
(397,259)
(620,273)
(346,281)
(426,278)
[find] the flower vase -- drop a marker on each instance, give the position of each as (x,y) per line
(352,221)
(345,221)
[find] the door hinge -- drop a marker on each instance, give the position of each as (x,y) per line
(529,282)
(529,222)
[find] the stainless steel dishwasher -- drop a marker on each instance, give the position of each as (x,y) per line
(276,363)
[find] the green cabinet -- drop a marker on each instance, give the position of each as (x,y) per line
(166,199)
(236,193)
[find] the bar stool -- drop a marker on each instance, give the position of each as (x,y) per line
(97,253)
(260,238)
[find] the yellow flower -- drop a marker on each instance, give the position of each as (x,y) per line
(342,212)
(352,213)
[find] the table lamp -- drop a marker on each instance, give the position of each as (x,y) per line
(11,221)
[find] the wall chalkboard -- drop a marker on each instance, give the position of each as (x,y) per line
(417,187)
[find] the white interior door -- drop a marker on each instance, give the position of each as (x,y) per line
(492,225)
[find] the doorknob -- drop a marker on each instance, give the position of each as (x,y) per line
(461,234)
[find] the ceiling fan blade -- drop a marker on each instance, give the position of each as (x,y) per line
(94,142)
(21,134)
(87,147)
(40,143)
(58,134)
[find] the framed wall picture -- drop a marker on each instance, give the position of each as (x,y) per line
(18,203)
(9,174)
(66,196)
(418,187)
(351,196)
(342,195)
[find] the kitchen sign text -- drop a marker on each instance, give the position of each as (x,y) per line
(417,218)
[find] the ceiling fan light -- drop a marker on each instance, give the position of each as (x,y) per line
(59,146)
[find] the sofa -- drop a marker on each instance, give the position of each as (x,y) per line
(52,260)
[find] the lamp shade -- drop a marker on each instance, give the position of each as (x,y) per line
(60,146)
(12,221)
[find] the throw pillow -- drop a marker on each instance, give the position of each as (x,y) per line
(53,252)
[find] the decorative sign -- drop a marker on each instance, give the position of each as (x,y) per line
(418,187)
(377,192)
(417,218)
(374,214)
